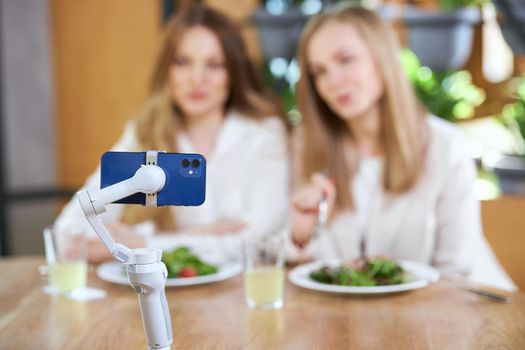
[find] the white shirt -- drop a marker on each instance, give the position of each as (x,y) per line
(247,179)
(436,222)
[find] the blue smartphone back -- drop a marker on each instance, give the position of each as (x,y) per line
(185,176)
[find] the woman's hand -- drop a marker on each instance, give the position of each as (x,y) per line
(121,233)
(305,207)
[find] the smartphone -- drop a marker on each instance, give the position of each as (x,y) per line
(185,176)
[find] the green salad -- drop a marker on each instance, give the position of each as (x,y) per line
(369,272)
(181,262)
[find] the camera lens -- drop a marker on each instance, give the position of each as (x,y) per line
(185,163)
(195,163)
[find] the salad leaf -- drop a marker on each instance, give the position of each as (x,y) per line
(370,272)
(183,259)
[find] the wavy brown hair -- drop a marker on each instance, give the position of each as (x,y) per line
(325,134)
(159,122)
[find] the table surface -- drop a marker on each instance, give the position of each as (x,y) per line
(214,316)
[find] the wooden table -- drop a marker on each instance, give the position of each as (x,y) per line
(214,317)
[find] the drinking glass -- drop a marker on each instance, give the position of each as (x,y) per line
(66,256)
(263,260)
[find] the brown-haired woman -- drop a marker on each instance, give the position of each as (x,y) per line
(400,181)
(206,98)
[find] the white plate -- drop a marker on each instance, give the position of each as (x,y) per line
(422,275)
(114,272)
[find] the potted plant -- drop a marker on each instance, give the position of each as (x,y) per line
(510,168)
(443,39)
(513,23)
(279,28)
(280,23)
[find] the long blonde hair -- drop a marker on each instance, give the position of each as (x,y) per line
(159,122)
(324,133)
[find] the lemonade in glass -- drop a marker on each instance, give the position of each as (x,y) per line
(263,259)
(66,260)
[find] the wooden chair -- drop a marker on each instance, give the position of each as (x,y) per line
(504,226)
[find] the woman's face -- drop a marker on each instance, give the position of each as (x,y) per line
(198,77)
(343,69)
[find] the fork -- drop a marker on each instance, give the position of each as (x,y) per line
(322,216)
(460,284)
(487,294)
(322,219)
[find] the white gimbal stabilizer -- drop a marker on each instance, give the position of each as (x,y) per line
(146,273)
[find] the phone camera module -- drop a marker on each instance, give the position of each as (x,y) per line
(185,163)
(195,163)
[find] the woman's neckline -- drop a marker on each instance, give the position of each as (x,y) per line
(220,139)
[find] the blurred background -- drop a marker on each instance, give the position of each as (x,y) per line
(72,73)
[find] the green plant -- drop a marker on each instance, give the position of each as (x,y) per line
(452,5)
(513,114)
(449,95)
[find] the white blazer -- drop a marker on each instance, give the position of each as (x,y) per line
(437,222)
(247,179)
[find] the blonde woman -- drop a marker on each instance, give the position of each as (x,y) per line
(206,98)
(400,181)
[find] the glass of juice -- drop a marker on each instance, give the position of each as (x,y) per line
(66,254)
(263,260)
